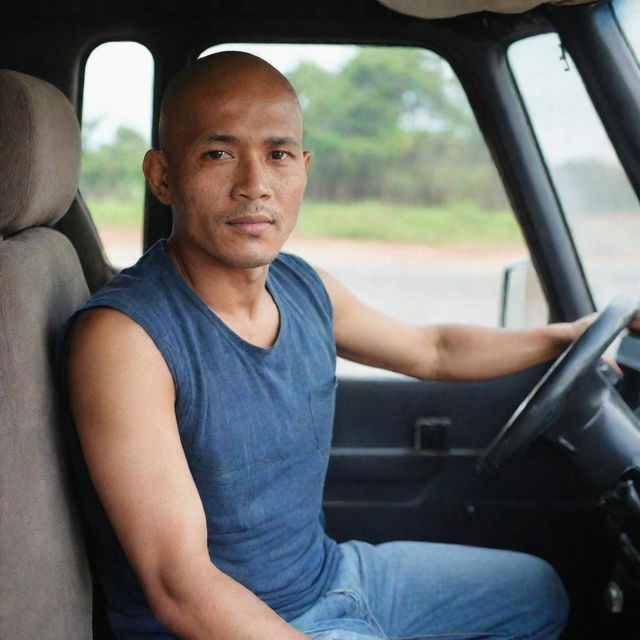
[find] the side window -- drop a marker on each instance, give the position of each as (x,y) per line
(599,204)
(116,128)
(628,14)
(403,204)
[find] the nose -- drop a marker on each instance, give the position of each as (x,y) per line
(251,180)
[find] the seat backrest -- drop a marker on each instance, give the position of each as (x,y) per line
(45,586)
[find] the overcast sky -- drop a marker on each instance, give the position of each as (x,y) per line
(118,88)
(118,79)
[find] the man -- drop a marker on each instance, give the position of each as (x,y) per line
(201,383)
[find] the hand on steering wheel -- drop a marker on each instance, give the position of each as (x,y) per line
(531,418)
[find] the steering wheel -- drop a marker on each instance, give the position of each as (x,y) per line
(530,419)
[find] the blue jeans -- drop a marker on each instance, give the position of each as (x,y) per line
(418,590)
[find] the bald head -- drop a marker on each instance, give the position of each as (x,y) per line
(218,77)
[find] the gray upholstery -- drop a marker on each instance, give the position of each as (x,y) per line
(450,8)
(45,590)
(39,153)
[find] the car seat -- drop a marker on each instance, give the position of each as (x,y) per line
(45,584)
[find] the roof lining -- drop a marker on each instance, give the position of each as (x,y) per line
(430,9)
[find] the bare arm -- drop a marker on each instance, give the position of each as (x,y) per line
(122,398)
(440,352)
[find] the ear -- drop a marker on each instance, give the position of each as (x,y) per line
(154,167)
(306,155)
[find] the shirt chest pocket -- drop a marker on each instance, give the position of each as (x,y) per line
(283,426)
(322,402)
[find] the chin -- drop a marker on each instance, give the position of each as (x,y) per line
(239,255)
(248,260)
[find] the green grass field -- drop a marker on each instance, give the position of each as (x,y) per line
(459,224)
(114,213)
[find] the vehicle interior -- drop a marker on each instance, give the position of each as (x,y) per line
(545,461)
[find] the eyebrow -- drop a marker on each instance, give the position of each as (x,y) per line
(280,142)
(271,142)
(219,137)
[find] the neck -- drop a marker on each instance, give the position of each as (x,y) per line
(228,291)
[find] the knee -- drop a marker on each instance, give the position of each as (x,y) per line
(543,601)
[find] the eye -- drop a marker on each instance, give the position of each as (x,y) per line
(279,155)
(218,154)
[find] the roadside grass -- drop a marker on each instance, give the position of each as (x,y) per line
(462,223)
(459,223)
(115,213)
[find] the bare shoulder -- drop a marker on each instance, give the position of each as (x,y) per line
(113,354)
(104,328)
(327,279)
(103,331)
(340,296)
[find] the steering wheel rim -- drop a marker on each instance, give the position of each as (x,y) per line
(529,420)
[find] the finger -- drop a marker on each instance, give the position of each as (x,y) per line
(613,364)
(634,325)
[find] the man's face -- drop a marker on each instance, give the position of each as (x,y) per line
(236,174)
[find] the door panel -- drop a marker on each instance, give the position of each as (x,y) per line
(379,487)
(376,467)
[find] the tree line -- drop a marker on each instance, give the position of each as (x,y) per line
(391,125)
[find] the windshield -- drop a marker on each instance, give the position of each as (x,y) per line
(599,204)
(628,14)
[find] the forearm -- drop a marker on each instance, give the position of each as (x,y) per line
(202,603)
(466,353)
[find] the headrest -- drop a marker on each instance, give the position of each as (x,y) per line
(39,152)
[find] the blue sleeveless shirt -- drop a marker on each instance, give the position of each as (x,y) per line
(255,425)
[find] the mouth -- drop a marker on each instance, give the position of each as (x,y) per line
(251,224)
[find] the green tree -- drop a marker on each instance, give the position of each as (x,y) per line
(114,170)
(393,125)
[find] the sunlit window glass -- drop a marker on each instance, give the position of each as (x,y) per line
(599,203)
(116,126)
(628,14)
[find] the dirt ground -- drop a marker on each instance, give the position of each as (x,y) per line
(124,247)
